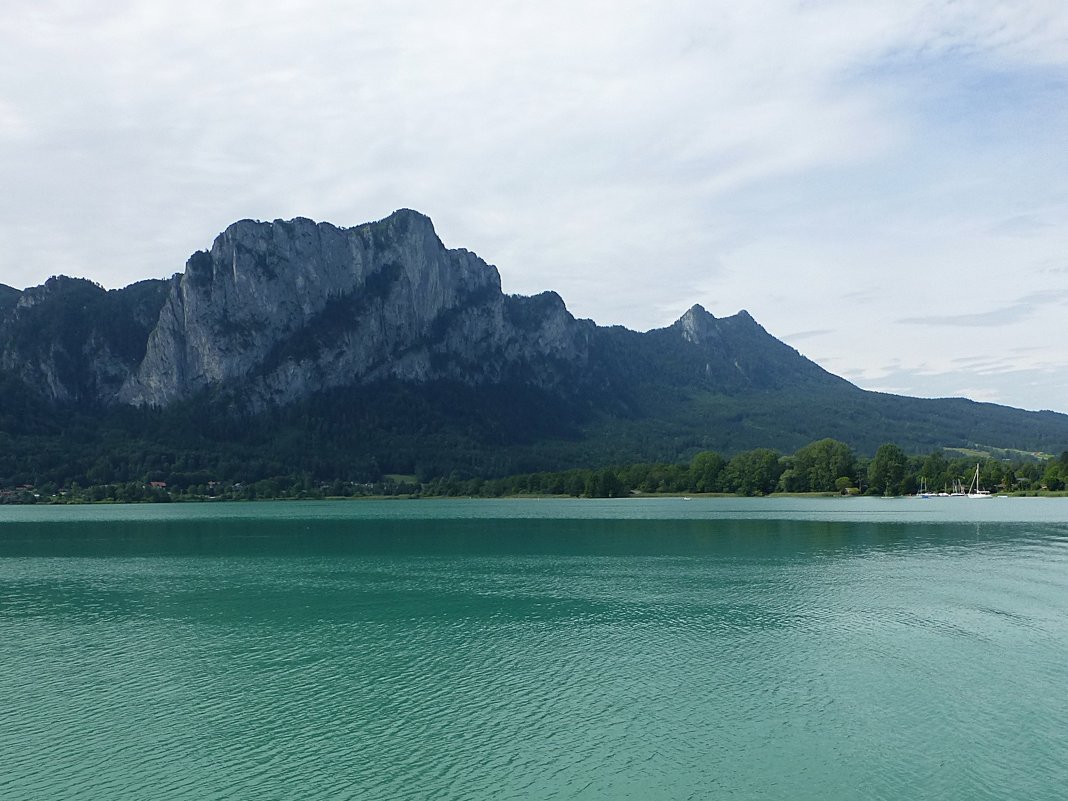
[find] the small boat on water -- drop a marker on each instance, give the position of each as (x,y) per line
(973,488)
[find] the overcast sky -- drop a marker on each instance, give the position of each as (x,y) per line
(884,186)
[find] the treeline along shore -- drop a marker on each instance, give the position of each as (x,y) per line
(826,466)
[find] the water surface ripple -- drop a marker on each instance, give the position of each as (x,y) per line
(534,650)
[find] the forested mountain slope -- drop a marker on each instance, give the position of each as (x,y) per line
(300,346)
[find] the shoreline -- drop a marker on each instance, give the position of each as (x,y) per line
(520,496)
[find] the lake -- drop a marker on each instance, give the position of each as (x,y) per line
(840,648)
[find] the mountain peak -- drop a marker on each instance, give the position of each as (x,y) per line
(417,351)
(292,306)
(697,311)
(696,325)
(409,216)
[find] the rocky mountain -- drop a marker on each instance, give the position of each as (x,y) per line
(278,311)
(290,308)
(70,340)
(381,328)
(9,296)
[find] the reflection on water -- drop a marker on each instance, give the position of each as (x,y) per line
(389,651)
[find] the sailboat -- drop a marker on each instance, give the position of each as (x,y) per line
(973,488)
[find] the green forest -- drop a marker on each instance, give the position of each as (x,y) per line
(447,439)
(824,466)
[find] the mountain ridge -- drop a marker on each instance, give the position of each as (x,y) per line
(303,319)
(293,307)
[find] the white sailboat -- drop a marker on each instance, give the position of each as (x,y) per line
(973,488)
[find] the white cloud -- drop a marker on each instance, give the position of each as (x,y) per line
(826,165)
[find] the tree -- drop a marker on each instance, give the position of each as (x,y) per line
(820,464)
(886,472)
(1054,476)
(753,472)
(792,481)
(604,484)
(705,469)
(935,471)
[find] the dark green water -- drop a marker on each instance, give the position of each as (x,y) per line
(839,649)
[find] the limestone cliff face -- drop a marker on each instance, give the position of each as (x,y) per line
(275,312)
(288,308)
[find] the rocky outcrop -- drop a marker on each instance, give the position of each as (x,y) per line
(289,308)
(71,340)
(277,311)
(738,352)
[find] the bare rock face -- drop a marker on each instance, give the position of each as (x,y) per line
(277,311)
(288,308)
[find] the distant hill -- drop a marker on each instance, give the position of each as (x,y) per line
(300,346)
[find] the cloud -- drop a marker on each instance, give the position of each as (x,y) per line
(815,332)
(1022,225)
(1045,297)
(1016,312)
(1033,385)
(824,164)
(996,317)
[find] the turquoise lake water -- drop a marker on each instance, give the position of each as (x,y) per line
(536,649)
